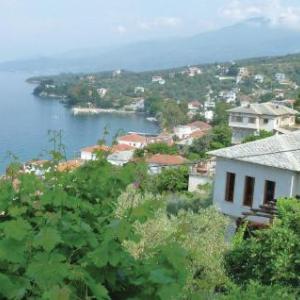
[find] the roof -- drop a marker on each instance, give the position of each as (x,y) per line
(165,159)
(121,148)
(69,165)
(132,138)
(123,156)
(268,108)
(200,125)
(95,148)
(279,151)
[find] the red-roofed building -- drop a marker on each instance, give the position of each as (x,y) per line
(134,140)
(121,148)
(158,162)
(89,153)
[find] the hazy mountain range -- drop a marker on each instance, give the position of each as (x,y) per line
(252,38)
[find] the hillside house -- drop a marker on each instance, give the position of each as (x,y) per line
(252,174)
(184,131)
(280,77)
(134,140)
(194,71)
(137,105)
(90,153)
(159,162)
(139,89)
(102,92)
(120,158)
(250,119)
(259,78)
(228,96)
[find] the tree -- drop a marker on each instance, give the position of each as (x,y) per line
(221,113)
(261,135)
(270,256)
(200,234)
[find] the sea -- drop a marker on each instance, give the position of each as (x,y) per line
(26,120)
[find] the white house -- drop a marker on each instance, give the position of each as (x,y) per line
(139,89)
(252,174)
(280,77)
(259,78)
(90,153)
(156,78)
(134,140)
(120,158)
(250,119)
(185,131)
(228,96)
(137,105)
(193,71)
(102,92)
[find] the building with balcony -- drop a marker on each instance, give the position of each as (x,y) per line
(251,119)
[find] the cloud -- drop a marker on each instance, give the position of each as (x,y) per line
(162,22)
(278,13)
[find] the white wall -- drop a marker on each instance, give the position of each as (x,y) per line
(196,180)
(285,184)
(87,155)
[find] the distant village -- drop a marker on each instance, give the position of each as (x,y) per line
(246,176)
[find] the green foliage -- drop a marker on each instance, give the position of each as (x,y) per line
(271,255)
(169,180)
(201,235)
(157,148)
(262,135)
(255,291)
(221,113)
(219,137)
(61,239)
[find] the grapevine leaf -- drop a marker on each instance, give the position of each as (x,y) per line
(48,238)
(16,229)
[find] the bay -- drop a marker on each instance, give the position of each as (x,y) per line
(25,121)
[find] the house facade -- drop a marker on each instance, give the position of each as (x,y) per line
(252,174)
(250,119)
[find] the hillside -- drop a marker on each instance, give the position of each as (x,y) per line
(252,38)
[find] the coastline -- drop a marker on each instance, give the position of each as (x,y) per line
(96,111)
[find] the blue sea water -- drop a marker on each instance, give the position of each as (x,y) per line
(25,121)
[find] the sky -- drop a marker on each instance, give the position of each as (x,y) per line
(30,28)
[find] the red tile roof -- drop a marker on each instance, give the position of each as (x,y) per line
(95,148)
(133,138)
(165,159)
(121,147)
(201,125)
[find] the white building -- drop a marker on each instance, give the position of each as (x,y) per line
(134,140)
(138,105)
(193,71)
(228,96)
(185,131)
(280,77)
(156,78)
(90,153)
(102,92)
(209,115)
(252,174)
(139,89)
(250,119)
(120,158)
(259,78)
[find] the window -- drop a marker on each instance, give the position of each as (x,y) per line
(269,191)
(237,119)
(249,191)
(251,120)
(230,182)
(266,121)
